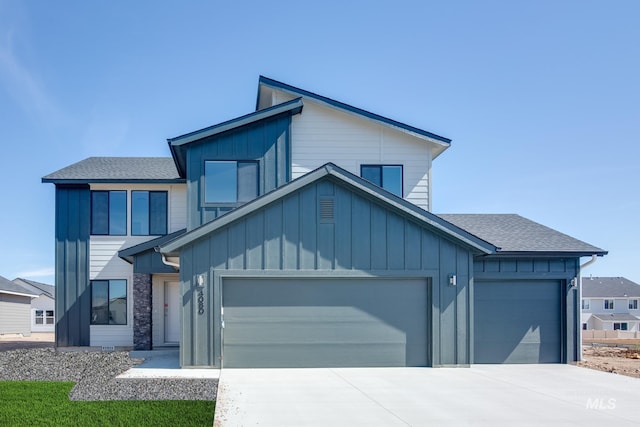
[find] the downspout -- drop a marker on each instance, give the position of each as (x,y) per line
(586,264)
(166,261)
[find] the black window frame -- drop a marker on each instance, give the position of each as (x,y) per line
(381,166)
(237,202)
(620,326)
(149,212)
(126,302)
(108,213)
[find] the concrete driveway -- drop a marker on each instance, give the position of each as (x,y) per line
(483,395)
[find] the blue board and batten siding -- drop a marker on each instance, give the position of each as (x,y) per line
(526,310)
(266,141)
(72,265)
(293,237)
(150,262)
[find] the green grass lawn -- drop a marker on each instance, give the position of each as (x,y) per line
(43,403)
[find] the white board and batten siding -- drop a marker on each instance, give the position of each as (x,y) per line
(323,134)
(105,264)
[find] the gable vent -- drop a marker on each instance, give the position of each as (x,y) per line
(326,210)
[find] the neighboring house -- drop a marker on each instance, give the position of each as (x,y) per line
(301,235)
(15,308)
(42,307)
(610,304)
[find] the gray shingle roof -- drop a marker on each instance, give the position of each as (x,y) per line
(110,169)
(8,286)
(613,287)
(617,317)
(36,287)
(514,234)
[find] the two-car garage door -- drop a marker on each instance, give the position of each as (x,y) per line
(330,322)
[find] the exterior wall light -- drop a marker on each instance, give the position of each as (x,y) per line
(453,280)
(200,281)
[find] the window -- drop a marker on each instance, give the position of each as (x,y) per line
(109,213)
(608,304)
(633,304)
(388,177)
(230,181)
(148,213)
(622,326)
(109,302)
(44,317)
(584,326)
(586,304)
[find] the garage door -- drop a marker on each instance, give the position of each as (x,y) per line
(325,323)
(517,321)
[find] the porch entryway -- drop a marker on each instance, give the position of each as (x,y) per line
(166,310)
(172,312)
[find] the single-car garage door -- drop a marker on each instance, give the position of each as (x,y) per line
(517,321)
(325,322)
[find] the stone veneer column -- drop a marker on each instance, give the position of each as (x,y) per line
(142,311)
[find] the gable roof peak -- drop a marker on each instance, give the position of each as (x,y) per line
(348,180)
(385,121)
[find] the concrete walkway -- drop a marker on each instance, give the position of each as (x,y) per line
(164,364)
(483,395)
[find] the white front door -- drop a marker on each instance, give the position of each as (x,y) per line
(172,312)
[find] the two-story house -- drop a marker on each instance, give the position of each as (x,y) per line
(610,304)
(301,235)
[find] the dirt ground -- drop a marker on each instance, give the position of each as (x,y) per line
(36,340)
(617,360)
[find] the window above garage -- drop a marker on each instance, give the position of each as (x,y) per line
(388,177)
(230,181)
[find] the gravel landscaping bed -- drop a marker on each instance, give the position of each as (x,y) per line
(94,374)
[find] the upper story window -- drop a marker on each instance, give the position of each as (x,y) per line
(108,302)
(608,304)
(586,304)
(109,213)
(633,304)
(148,213)
(388,177)
(230,181)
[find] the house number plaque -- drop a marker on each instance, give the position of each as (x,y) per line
(200,301)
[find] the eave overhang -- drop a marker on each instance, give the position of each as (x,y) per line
(544,254)
(21,294)
(128,254)
(113,181)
